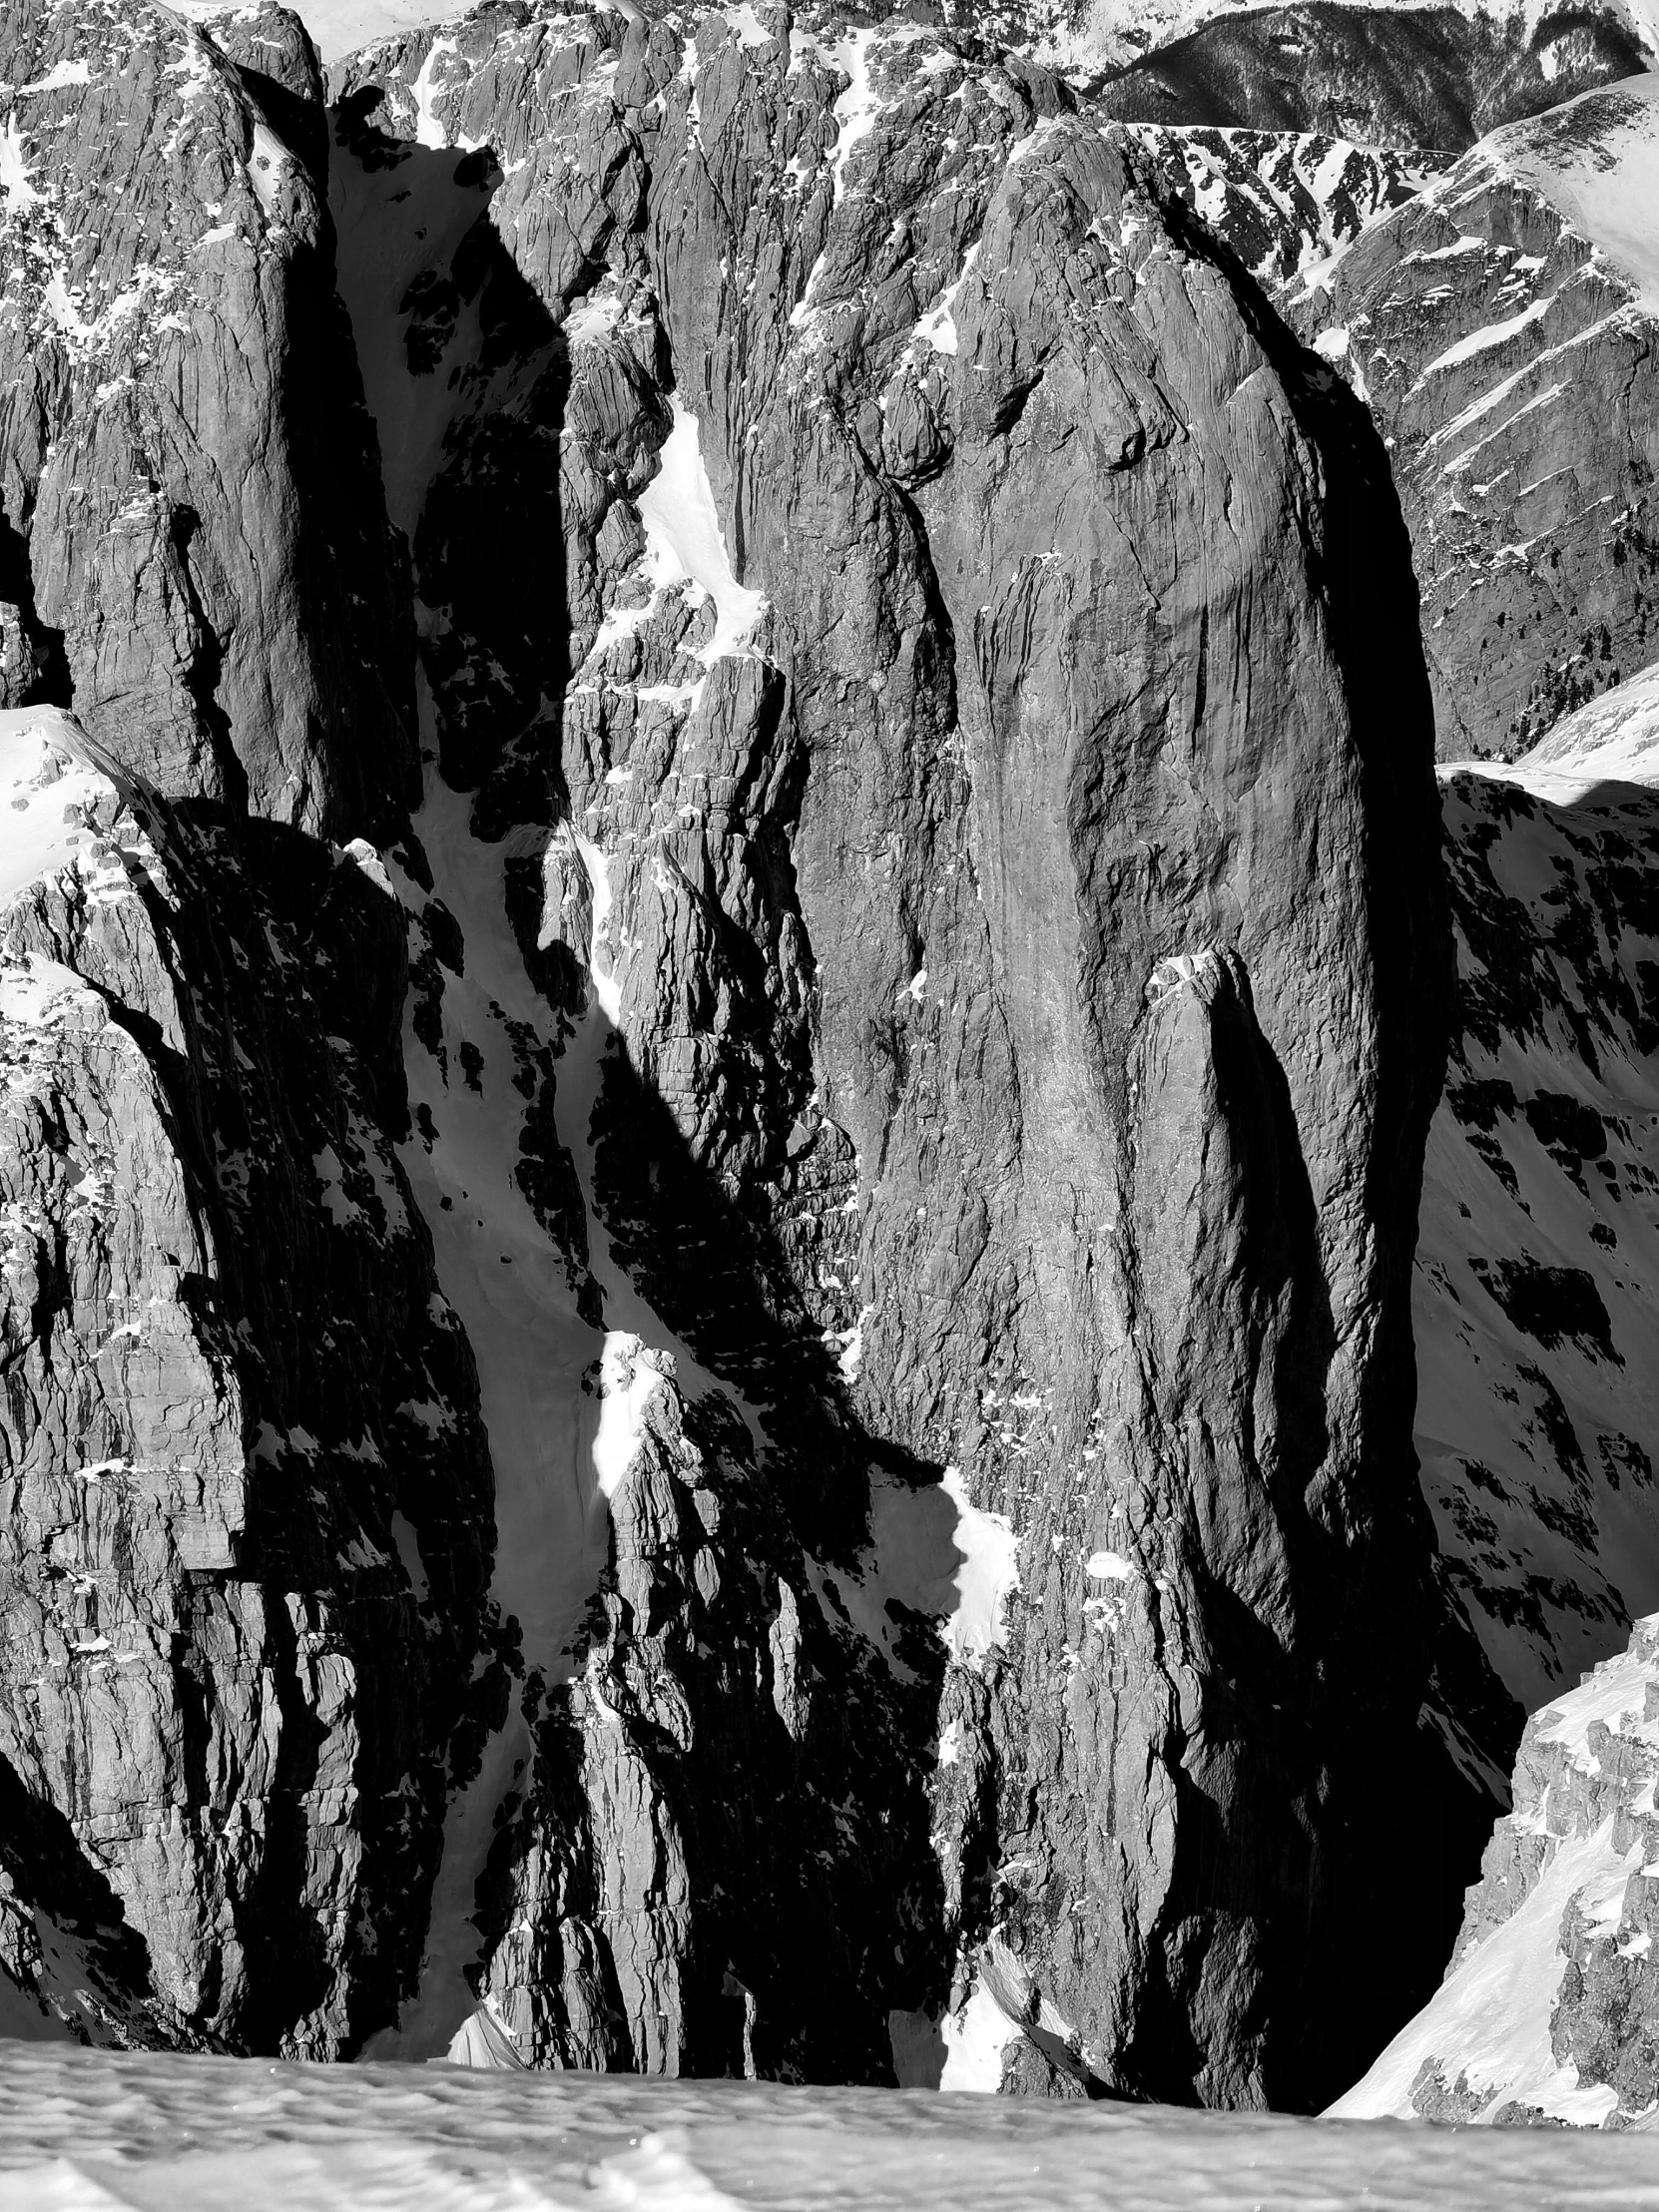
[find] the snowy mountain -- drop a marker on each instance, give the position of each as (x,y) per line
(1501,327)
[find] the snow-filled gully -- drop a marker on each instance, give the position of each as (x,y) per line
(561,1398)
(551,1439)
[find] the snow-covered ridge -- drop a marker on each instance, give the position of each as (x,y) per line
(1287,202)
(1540,2016)
(1596,159)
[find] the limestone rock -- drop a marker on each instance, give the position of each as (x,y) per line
(180,454)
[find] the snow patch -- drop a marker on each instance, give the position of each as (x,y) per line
(937,328)
(976,2040)
(684,540)
(60,76)
(429,131)
(626,1381)
(44,783)
(266,166)
(1110,1566)
(14,170)
(988,1577)
(856,108)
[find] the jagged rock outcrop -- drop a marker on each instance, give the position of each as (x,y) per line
(1500,326)
(1285,201)
(1547,2014)
(965,663)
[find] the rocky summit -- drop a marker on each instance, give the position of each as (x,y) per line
(807,1271)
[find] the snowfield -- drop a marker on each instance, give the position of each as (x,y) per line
(84,2131)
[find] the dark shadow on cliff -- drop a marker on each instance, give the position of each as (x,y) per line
(816,1890)
(45,1865)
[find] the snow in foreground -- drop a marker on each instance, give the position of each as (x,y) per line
(84,2131)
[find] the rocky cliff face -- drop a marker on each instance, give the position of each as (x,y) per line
(993,1094)
(775,988)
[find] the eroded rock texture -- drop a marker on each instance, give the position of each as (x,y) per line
(983,779)
(202,555)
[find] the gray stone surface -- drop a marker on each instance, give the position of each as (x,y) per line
(182,457)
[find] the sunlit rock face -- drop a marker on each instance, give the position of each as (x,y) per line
(1500,326)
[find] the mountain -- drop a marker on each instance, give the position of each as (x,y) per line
(749,1056)
(1118,33)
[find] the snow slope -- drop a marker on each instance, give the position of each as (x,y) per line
(87,2131)
(1613,739)
(45,774)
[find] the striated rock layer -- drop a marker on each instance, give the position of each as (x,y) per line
(980,781)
